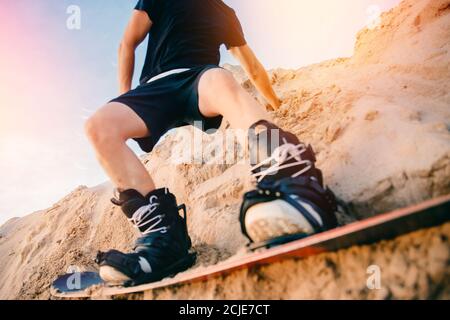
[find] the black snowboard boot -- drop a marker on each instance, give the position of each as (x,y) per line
(291,200)
(161,251)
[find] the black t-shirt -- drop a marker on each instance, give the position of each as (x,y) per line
(188,33)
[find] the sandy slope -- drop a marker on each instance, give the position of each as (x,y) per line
(380,122)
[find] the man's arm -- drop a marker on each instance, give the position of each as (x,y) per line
(256,73)
(135,33)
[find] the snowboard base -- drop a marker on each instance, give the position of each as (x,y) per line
(382,227)
(76,282)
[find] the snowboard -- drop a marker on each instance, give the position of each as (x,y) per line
(381,227)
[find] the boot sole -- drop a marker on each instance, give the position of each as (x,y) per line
(116,278)
(267,221)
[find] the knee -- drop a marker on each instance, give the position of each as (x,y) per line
(100,131)
(93,130)
(220,79)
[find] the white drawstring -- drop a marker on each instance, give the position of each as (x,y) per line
(281,155)
(140,216)
(168,73)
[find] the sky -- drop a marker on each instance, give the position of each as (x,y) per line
(53,77)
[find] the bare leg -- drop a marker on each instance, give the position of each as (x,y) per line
(156,216)
(108,130)
(220,94)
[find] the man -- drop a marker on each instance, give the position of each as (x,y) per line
(182,83)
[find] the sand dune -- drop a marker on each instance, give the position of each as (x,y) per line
(380,122)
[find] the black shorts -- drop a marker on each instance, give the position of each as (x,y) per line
(168,103)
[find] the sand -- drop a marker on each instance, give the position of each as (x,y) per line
(380,123)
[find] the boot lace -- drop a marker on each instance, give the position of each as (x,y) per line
(140,218)
(280,156)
